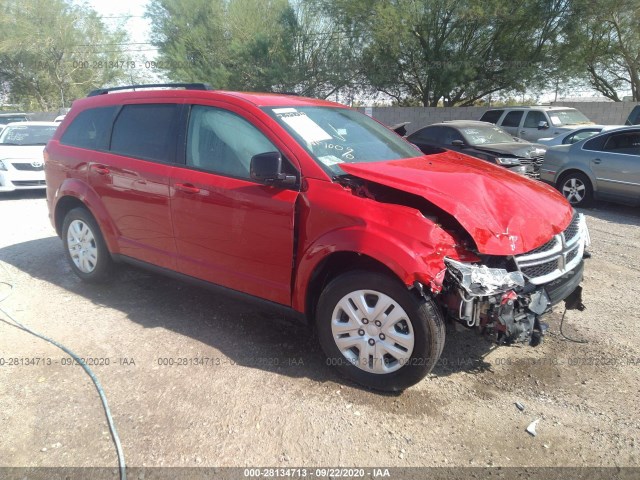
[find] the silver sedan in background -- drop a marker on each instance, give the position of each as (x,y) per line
(605,166)
(574,136)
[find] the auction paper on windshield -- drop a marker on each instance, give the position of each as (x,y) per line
(309,130)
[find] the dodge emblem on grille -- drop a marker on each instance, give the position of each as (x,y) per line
(512,241)
(37,164)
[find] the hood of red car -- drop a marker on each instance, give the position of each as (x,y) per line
(505,213)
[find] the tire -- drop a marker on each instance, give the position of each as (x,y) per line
(391,356)
(85,247)
(576,188)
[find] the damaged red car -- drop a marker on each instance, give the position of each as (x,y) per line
(317,210)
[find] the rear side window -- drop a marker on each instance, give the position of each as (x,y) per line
(512,119)
(634,116)
(579,136)
(492,116)
(146,131)
(90,129)
(624,142)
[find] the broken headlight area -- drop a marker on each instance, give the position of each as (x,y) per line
(480,280)
(496,301)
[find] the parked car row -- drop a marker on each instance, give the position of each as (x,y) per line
(584,161)
(21,158)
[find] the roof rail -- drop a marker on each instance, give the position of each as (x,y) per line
(186,86)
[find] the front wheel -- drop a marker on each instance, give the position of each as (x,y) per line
(85,247)
(378,333)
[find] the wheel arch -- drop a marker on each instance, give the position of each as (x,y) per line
(573,169)
(336,264)
(73,194)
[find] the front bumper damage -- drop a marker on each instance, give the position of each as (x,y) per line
(509,305)
(498,302)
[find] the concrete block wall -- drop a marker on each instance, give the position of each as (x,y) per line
(606,113)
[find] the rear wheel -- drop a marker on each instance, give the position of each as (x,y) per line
(576,188)
(377,333)
(85,247)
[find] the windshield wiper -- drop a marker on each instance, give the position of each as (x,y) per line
(9,143)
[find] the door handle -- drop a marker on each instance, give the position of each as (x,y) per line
(187,188)
(100,169)
(597,160)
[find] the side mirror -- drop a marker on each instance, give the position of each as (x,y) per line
(458,143)
(266,168)
(542,125)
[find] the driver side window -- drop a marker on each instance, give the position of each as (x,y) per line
(533,119)
(222,142)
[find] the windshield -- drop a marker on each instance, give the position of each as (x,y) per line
(338,135)
(485,135)
(567,117)
(27,134)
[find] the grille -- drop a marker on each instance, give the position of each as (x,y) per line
(550,245)
(27,167)
(540,270)
(536,161)
(573,228)
(572,255)
(28,183)
(549,261)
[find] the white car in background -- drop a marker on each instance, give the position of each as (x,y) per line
(21,160)
(577,135)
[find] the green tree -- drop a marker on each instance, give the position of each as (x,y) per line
(604,40)
(53,51)
(456,51)
(259,45)
(234,44)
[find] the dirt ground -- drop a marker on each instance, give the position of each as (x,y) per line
(265,396)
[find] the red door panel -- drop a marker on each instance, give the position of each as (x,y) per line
(234,232)
(136,196)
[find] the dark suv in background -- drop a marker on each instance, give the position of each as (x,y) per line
(634,116)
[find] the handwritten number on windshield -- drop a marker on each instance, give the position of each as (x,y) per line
(348,152)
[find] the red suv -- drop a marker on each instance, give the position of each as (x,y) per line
(314,208)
